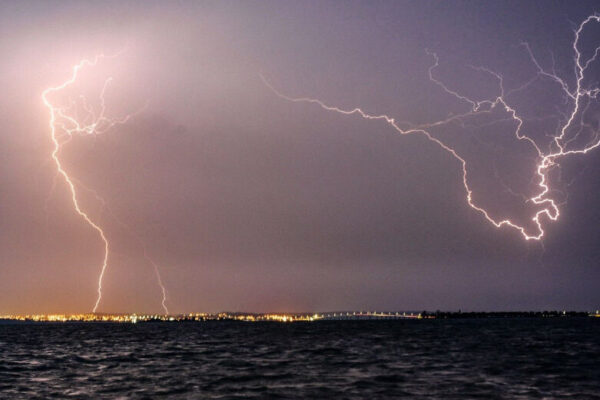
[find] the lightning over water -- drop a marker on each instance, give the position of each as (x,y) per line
(79,117)
(568,139)
(301,200)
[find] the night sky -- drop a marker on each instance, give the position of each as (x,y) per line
(249,202)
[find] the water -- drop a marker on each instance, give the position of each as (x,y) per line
(421,359)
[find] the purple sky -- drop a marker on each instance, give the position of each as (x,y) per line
(249,202)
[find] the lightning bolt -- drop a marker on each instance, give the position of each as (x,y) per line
(64,123)
(137,237)
(546,160)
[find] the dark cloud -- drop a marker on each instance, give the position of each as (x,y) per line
(250,202)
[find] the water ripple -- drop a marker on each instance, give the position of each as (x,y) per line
(453,359)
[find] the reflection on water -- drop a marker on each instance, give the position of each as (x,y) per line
(452,359)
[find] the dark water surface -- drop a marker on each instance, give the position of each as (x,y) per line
(422,359)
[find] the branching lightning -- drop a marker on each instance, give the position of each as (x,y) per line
(65,122)
(547,160)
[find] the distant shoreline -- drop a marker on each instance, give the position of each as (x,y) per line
(285,318)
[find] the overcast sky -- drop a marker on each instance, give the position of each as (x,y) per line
(249,202)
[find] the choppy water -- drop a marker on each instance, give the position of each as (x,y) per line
(451,359)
